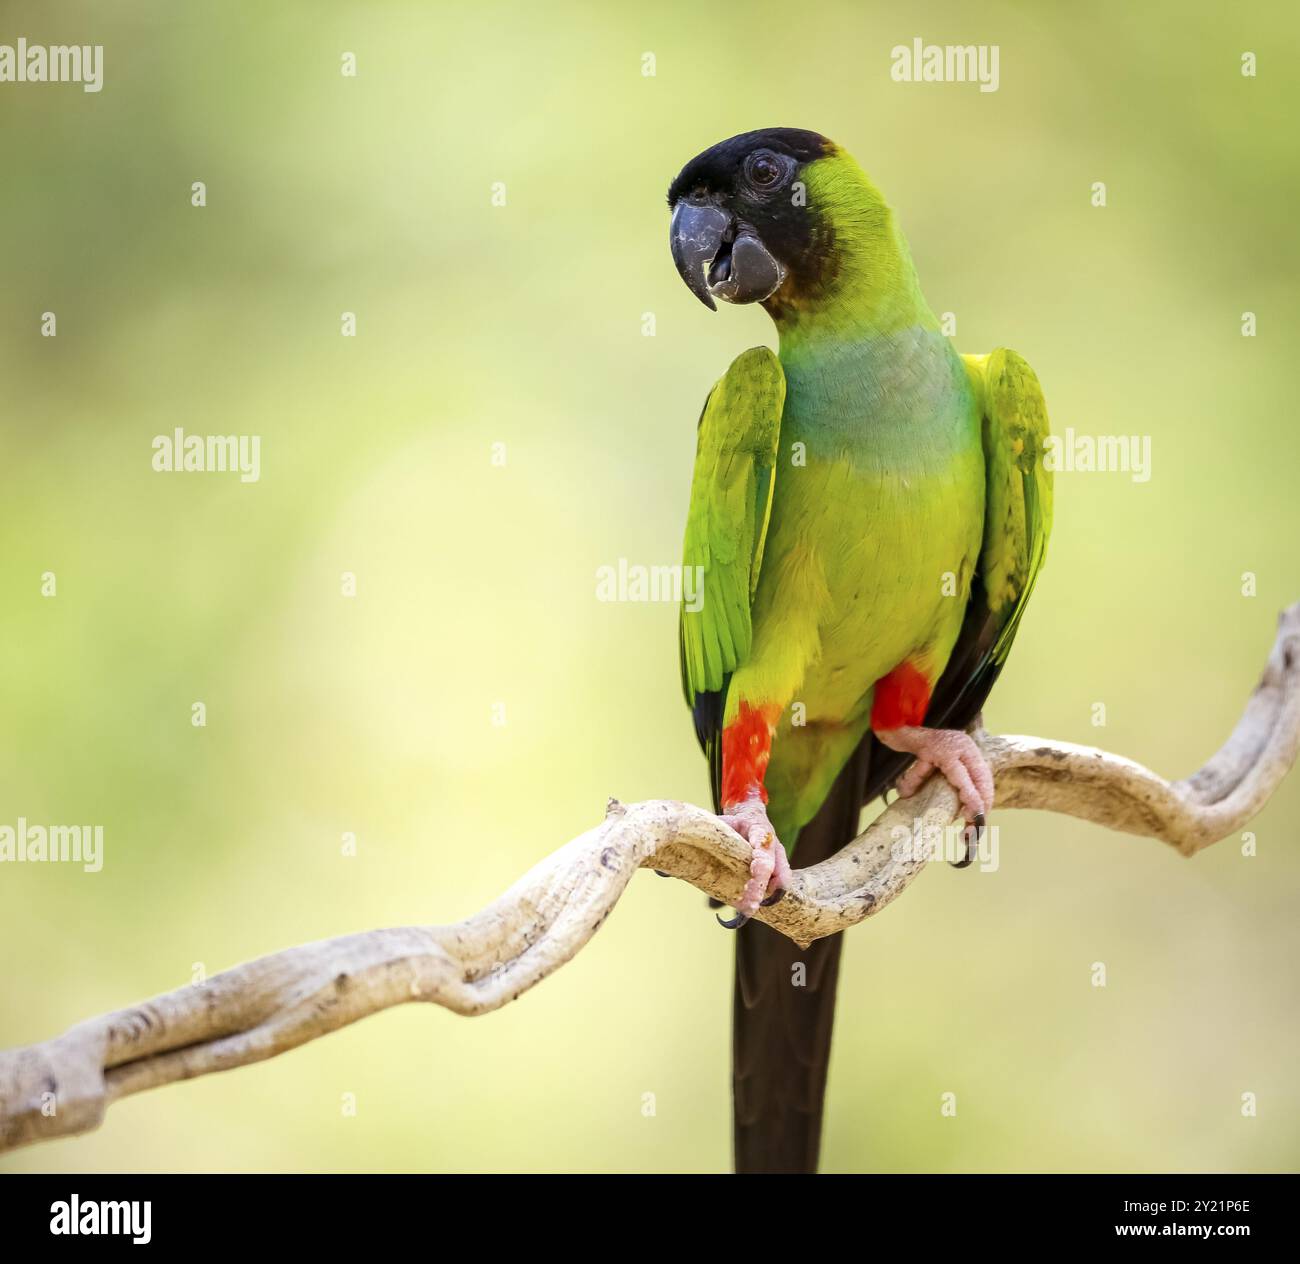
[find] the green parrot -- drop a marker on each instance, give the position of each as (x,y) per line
(868,512)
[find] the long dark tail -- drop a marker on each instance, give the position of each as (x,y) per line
(781,1034)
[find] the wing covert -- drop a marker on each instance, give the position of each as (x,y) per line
(726,525)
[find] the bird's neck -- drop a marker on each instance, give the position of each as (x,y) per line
(873,297)
(873,291)
(871,347)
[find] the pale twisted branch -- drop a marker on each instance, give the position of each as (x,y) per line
(276,1003)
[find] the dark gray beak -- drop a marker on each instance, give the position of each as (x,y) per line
(696,238)
(719,259)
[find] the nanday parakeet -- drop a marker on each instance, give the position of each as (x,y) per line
(869,509)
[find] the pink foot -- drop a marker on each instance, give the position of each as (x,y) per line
(769,869)
(954,754)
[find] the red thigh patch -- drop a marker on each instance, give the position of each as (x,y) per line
(901,699)
(746,748)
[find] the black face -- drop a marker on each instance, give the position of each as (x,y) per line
(739,229)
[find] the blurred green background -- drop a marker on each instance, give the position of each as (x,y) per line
(522,325)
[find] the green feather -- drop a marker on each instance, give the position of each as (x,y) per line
(731,502)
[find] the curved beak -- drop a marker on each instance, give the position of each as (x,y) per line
(719,259)
(695,236)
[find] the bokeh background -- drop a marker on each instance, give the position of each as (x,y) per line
(523,325)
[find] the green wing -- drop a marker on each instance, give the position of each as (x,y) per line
(731,503)
(1018,506)
(1017,522)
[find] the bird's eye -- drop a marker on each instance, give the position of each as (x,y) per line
(764,170)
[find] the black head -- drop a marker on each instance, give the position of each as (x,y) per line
(740,226)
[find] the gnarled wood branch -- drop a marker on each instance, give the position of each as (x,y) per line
(265,1007)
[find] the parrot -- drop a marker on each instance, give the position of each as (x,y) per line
(868,513)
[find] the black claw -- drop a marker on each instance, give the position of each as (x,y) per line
(775,898)
(661,873)
(735,923)
(972,835)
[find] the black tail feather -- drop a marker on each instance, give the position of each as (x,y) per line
(783,1015)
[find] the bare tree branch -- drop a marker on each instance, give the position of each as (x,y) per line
(265,1007)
